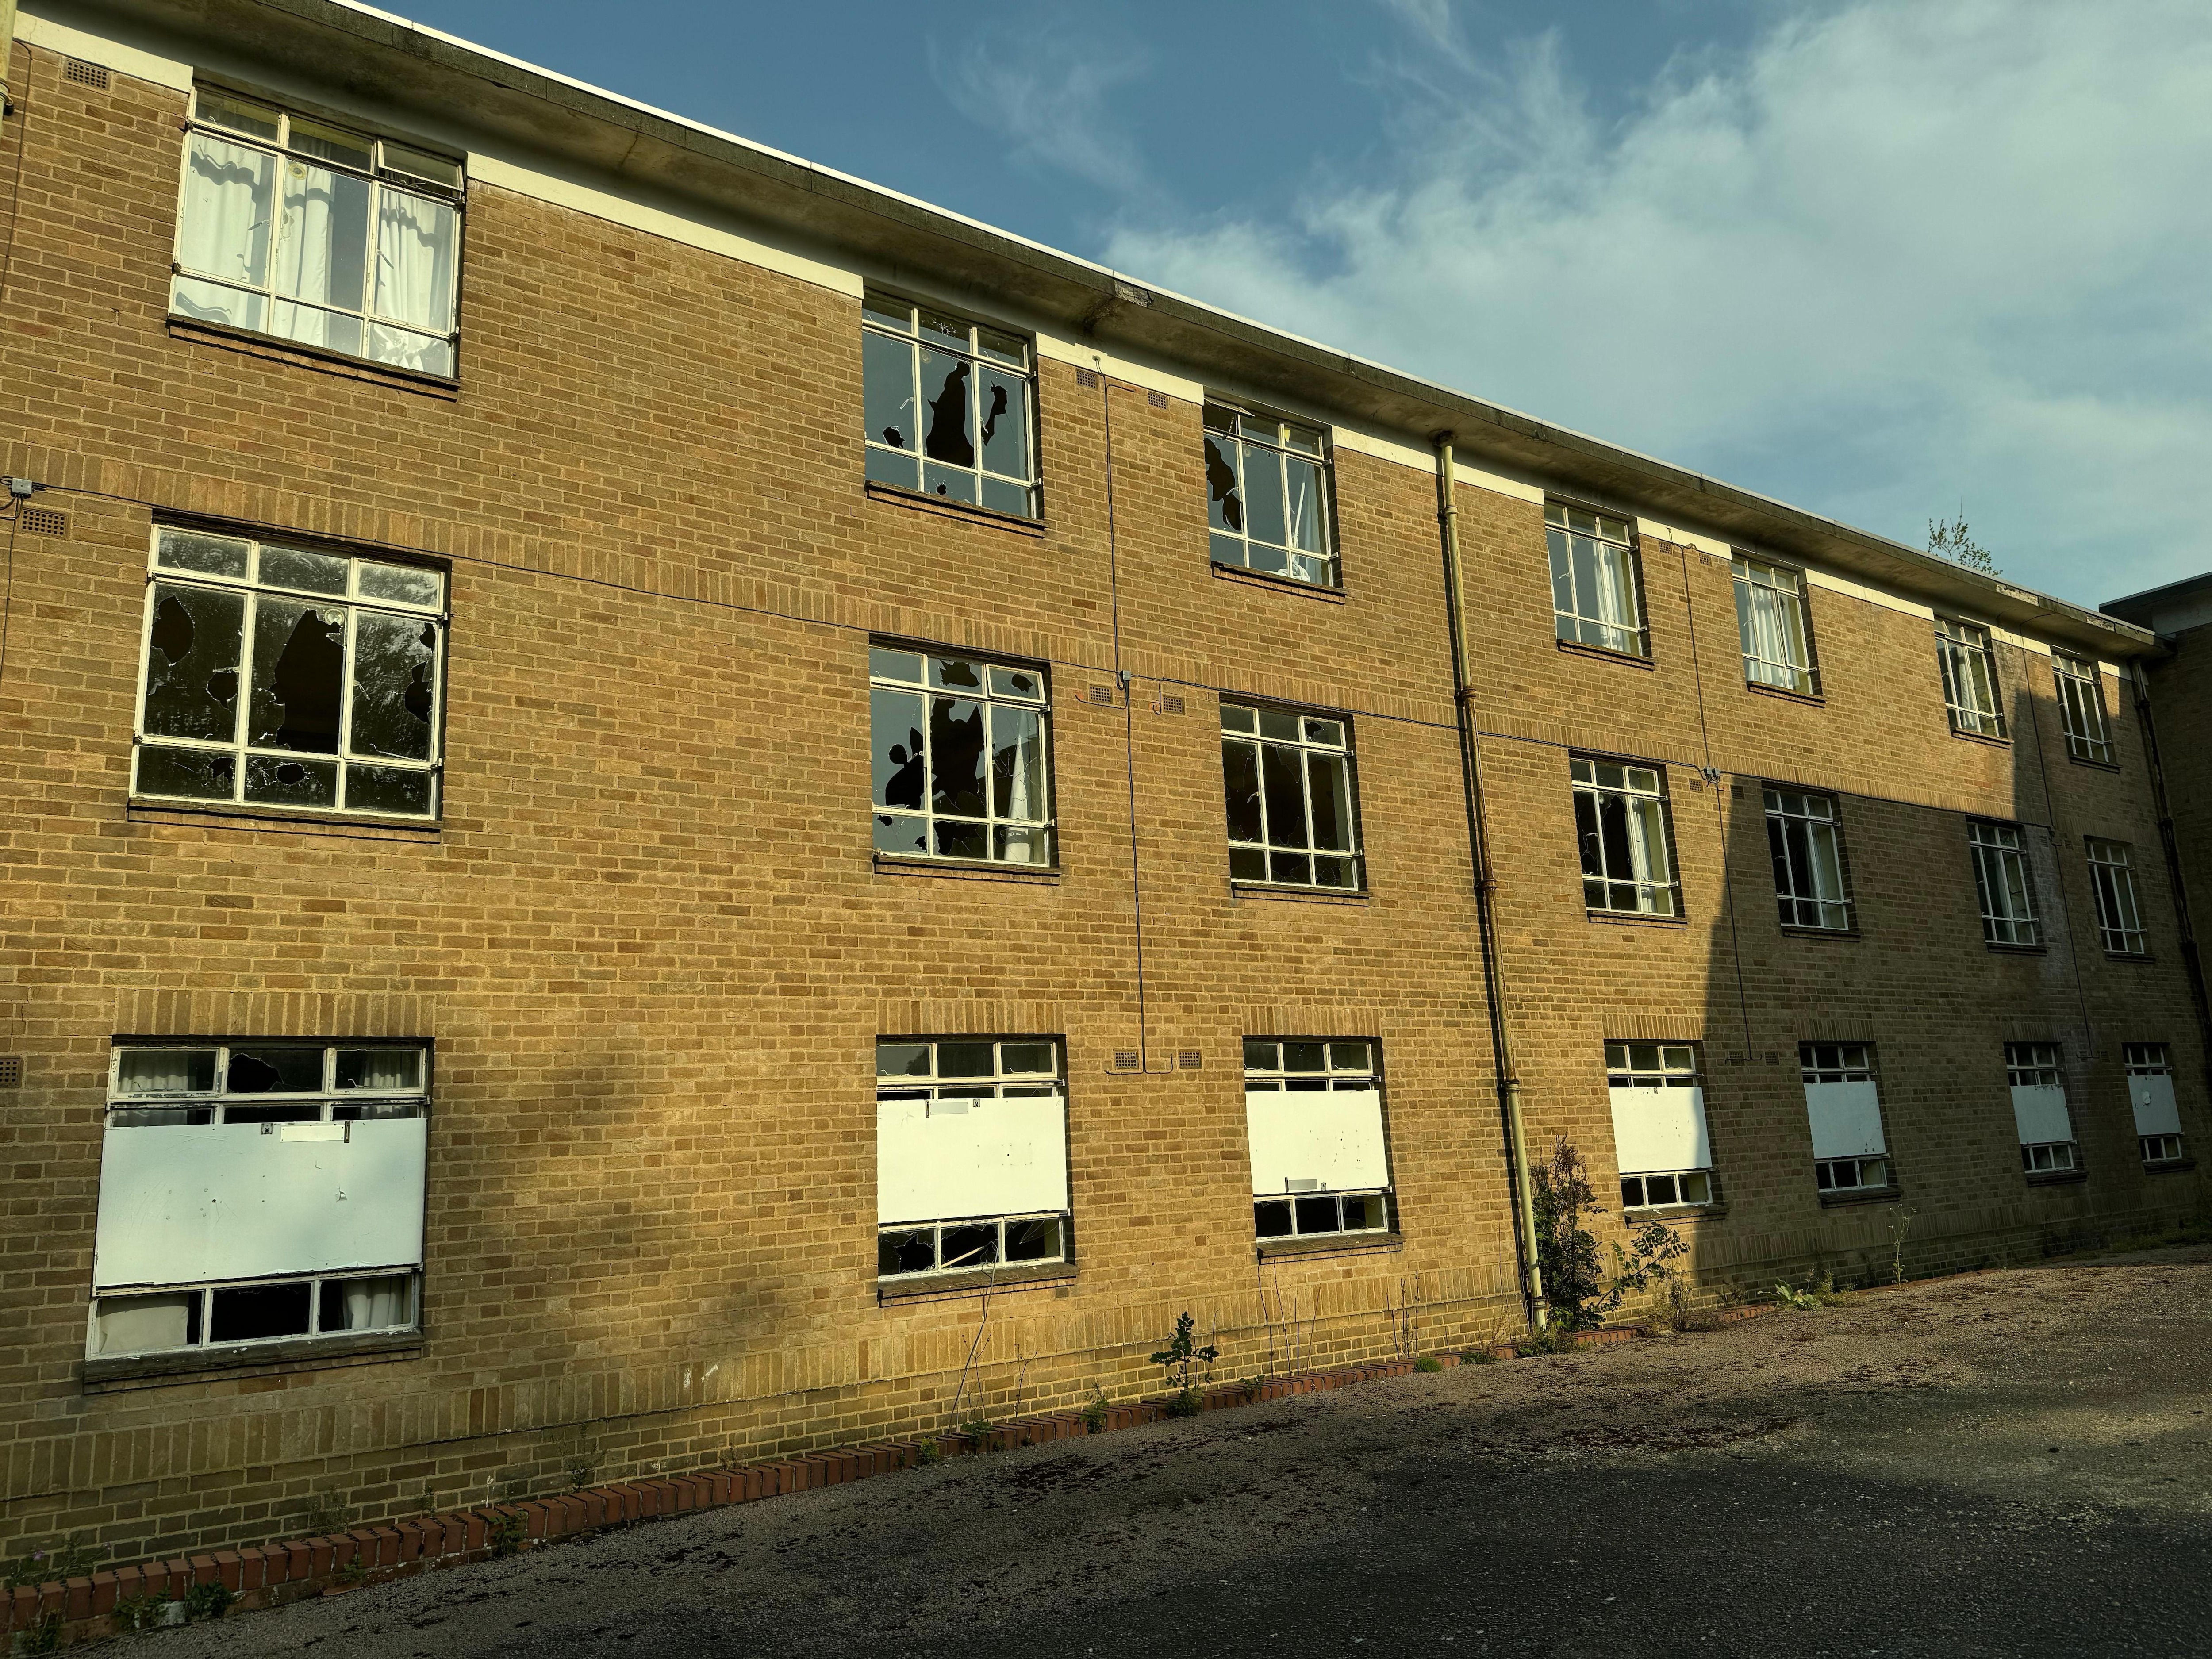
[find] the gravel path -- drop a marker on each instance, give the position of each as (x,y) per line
(2007,1464)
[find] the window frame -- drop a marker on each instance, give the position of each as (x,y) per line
(1804,679)
(1824,1062)
(1960,644)
(997,829)
(253,590)
(2043,1065)
(876,303)
(1639,648)
(1221,540)
(1638,851)
(1981,834)
(1362,1072)
(1622,1072)
(2153,1060)
(1305,746)
(2114,897)
(2082,718)
(1791,904)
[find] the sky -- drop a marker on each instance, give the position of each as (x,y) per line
(1888,260)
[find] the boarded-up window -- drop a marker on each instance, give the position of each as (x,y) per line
(2150,1091)
(1843,1104)
(1313,1113)
(2038,1107)
(1659,1138)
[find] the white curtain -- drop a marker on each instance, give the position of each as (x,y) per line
(373,1304)
(142,1324)
(1615,595)
(157,1070)
(1304,478)
(227,212)
(1018,734)
(321,246)
(417,241)
(390,1068)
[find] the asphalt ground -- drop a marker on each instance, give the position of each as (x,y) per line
(2012,1463)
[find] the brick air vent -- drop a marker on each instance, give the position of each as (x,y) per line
(11,1071)
(1171,704)
(1086,377)
(44,521)
(1190,1059)
(85,75)
(1128,1059)
(1100,694)
(1157,399)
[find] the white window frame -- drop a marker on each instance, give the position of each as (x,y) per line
(2004,883)
(1322,745)
(2042,1065)
(1770,609)
(2112,886)
(354,604)
(985,350)
(2153,1060)
(1232,436)
(1973,693)
(1634,1064)
(1798,876)
(1846,1062)
(1601,547)
(2081,687)
(1011,687)
(1650,882)
(1294,1065)
(400,169)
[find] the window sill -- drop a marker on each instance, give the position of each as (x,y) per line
(2169,1166)
(1237,573)
(2130,955)
(1997,949)
(945,507)
(1627,658)
(1033,875)
(2054,1177)
(1888,1195)
(1323,1244)
(1637,1215)
(1980,738)
(275,348)
(238,815)
(1798,930)
(1631,918)
(1355,898)
(257,1360)
(937,1287)
(2094,765)
(1813,699)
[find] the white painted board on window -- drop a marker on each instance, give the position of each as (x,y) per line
(937,1160)
(2156,1112)
(1660,1129)
(1330,1138)
(179,1203)
(2039,1109)
(1846,1118)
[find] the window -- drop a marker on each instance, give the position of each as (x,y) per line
(1266,483)
(317,236)
(1970,677)
(2150,1091)
(280,677)
(2113,885)
(1313,1111)
(1620,819)
(1659,1138)
(1593,584)
(1805,835)
(959,757)
(1292,799)
(949,406)
(1842,1104)
(1769,619)
(2039,1108)
(2081,709)
(258,1190)
(2001,881)
(971,1154)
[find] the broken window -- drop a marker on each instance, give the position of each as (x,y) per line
(1970,677)
(1267,489)
(958,753)
(1804,835)
(1620,821)
(1771,622)
(949,406)
(1292,799)
(1843,1102)
(1659,1138)
(2002,881)
(258,1190)
(2039,1108)
(2081,709)
(1313,1114)
(2150,1091)
(292,228)
(1594,598)
(2112,884)
(971,1154)
(282,676)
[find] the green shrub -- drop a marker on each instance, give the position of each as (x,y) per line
(1428,1362)
(210,1601)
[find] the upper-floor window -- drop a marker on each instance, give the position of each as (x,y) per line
(949,404)
(1805,837)
(1313,1114)
(1970,677)
(1843,1105)
(299,229)
(280,675)
(1266,489)
(1659,1136)
(2039,1108)
(1292,798)
(959,757)
(2113,884)
(1620,821)
(1769,620)
(1594,592)
(2150,1092)
(2081,709)
(2003,884)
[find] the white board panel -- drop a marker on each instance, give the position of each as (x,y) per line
(1846,1118)
(181,1203)
(2039,1109)
(1660,1129)
(939,1159)
(1332,1138)
(2155,1111)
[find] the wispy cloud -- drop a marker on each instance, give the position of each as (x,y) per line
(1043,89)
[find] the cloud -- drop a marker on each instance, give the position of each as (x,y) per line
(1890,257)
(1045,90)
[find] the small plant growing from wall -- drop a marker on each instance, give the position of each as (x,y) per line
(1176,1359)
(1577,1287)
(1428,1362)
(210,1601)
(1901,1223)
(506,1535)
(1094,1411)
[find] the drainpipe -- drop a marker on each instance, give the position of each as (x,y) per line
(1485,900)
(2191,964)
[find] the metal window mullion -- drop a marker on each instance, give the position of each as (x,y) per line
(248,648)
(1260,770)
(1305,785)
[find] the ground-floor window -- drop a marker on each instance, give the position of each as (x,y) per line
(2035,1070)
(2150,1092)
(1843,1105)
(1659,1137)
(1320,1161)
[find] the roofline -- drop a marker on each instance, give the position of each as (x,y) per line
(2151,599)
(410,65)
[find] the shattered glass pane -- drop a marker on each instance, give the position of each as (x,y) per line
(1224,505)
(955,755)
(1290,867)
(1247,864)
(1318,1215)
(400,792)
(971,1247)
(1033,1241)
(1363,1214)
(1007,347)
(956,840)
(1272,1218)
(951,434)
(1240,782)
(1329,783)
(1286,797)
(275,782)
(299,665)
(317,573)
(1335,872)
(1018,764)
(246,1313)
(901,836)
(405,584)
(275,1070)
(949,331)
(216,556)
(395,665)
(956,674)
(900,767)
(952,484)
(1005,425)
(1016,683)
(884,467)
(910,1252)
(887,390)
(192,663)
(194,773)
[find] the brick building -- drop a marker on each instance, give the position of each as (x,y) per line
(664,805)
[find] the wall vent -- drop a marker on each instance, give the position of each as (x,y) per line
(1157,399)
(1190,1059)
(11,1071)
(84,74)
(1100,694)
(1086,377)
(1128,1060)
(1170,703)
(43,520)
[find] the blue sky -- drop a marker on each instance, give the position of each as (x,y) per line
(1886,259)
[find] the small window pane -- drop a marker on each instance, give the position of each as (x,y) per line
(1026,1059)
(275,1070)
(147,1324)
(398,1071)
(402,584)
(165,1071)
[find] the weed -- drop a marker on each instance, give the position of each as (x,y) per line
(1094,1413)
(69,1560)
(1556,1337)
(930,1452)
(1251,1386)
(1479,1357)
(1179,1356)
(138,1612)
(1185,1402)
(978,1429)
(43,1637)
(355,1571)
(1901,1223)
(1802,1300)
(208,1600)
(506,1535)
(1428,1362)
